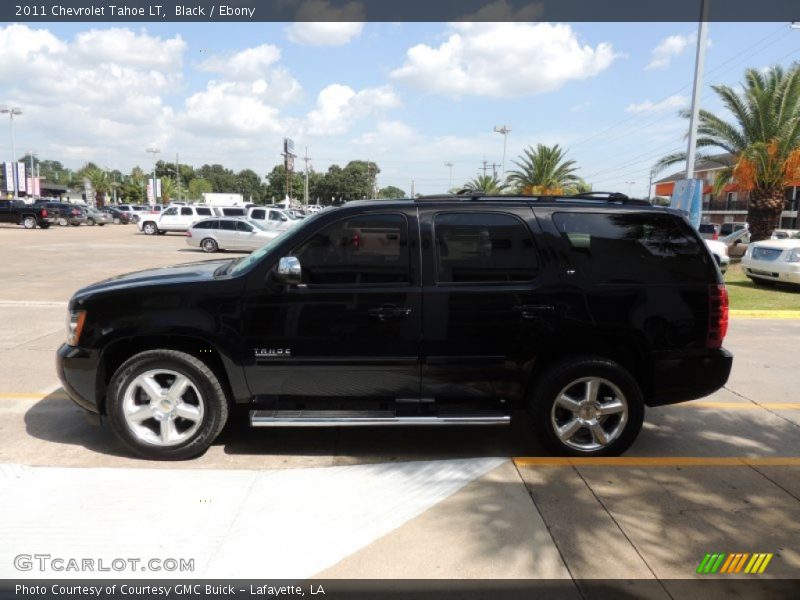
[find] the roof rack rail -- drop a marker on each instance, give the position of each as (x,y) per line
(607,196)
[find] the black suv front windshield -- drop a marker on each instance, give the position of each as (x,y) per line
(244,263)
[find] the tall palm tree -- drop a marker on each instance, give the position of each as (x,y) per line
(168,189)
(488,184)
(763,139)
(544,170)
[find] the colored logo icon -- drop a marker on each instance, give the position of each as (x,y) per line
(720,563)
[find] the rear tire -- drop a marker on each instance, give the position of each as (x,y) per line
(29,222)
(209,245)
(117,220)
(62,222)
(171,424)
(587,406)
(90,221)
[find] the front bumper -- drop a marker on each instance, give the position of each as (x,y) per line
(689,377)
(77,370)
(772,270)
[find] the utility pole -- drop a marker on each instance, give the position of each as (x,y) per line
(485,163)
(650,184)
(305,184)
(178,175)
(698,87)
(504,131)
(412,188)
(449,165)
(31,153)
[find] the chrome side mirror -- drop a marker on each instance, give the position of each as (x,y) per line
(289,270)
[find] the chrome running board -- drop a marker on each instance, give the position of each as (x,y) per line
(329,418)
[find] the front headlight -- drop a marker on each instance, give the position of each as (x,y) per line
(794,256)
(75,320)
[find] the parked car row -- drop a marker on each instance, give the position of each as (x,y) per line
(181,218)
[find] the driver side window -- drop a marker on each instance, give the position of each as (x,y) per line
(366,250)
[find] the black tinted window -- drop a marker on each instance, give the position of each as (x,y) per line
(186,211)
(205,212)
(632,248)
(242,226)
(483,247)
(362,250)
(258,214)
(206,225)
(227,225)
(233,212)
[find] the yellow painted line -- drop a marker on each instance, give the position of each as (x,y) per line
(657,461)
(765,563)
(765,314)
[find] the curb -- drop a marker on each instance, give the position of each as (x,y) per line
(765,314)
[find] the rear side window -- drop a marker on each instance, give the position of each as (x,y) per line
(206,212)
(186,211)
(366,250)
(233,212)
(227,225)
(212,224)
(483,247)
(258,214)
(632,248)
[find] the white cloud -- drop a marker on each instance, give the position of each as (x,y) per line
(669,48)
(675,102)
(122,46)
(320,24)
(503,60)
(339,105)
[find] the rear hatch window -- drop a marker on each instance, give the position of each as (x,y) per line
(624,248)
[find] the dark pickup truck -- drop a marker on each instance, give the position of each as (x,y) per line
(27,215)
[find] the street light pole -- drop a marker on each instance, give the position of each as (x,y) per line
(154,151)
(449,165)
(504,131)
(30,191)
(11,111)
(698,87)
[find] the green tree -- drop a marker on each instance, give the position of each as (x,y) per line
(488,184)
(275,189)
(222,180)
(390,192)
(168,189)
(763,138)
(249,185)
(101,183)
(544,170)
(198,187)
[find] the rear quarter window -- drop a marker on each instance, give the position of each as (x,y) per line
(625,248)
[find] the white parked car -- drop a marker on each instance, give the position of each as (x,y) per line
(272,218)
(720,252)
(773,261)
(229,233)
(174,218)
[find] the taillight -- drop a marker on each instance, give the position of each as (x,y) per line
(717,315)
(188,233)
(44,212)
(716,236)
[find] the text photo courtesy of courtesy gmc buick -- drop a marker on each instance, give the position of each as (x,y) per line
(572,313)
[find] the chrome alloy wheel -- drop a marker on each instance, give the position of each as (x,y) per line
(589,414)
(162,407)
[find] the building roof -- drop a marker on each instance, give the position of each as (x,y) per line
(718,161)
(53,187)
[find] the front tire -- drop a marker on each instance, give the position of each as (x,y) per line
(209,245)
(587,406)
(90,221)
(166,405)
(150,228)
(117,220)
(62,222)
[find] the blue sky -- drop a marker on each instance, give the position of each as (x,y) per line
(229,93)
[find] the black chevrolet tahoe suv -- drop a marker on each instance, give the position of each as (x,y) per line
(30,216)
(574,313)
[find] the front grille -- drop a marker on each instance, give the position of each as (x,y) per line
(766,253)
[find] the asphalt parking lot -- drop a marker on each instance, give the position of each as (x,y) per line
(721,474)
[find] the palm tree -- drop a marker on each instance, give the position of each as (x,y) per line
(544,171)
(763,139)
(168,189)
(488,184)
(579,187)
(101,184)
